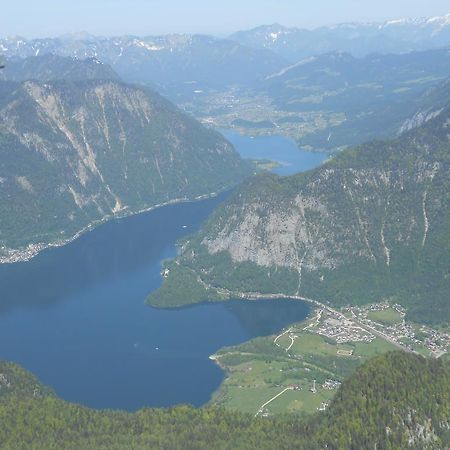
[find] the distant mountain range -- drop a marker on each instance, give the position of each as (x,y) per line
(245,57)
(49,67)
(77,151)
(189,61)
(359,39)
(330,71)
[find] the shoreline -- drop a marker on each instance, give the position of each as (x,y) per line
(24,254)
(215,357)
(254,296)
(262,133)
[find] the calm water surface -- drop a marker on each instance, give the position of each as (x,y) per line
(75,316)
(275,148)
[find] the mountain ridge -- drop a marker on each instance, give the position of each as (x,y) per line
(370,224)
(180,61)
(74,153)
(360,39)
(53,67)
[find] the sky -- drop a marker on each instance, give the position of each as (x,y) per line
(48,18)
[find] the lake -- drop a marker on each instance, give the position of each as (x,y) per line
(75,317)
(275,148)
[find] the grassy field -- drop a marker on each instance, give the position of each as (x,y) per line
(387,316)
(260,369)
(376,347)
(252,384)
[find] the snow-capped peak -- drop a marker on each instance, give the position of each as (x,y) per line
(441,21)
(150,46)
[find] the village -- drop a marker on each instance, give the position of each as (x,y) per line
(338,328)
(412,335)
(9,256)
(365,323)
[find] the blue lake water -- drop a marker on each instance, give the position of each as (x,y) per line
(275,148)
(75,316)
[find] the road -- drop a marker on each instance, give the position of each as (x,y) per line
(257,295)
(272,399)
(292,343)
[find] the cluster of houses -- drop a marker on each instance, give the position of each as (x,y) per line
(342,330)
(331,384)
(404,332)
(9,256)
(438,343)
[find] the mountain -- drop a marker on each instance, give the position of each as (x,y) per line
(181,62)
(76,153)
(359,39)
(369,97)
(370,224)
(384,404)
(53,67)
(397,400)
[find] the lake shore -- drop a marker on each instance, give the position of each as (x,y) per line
(12,256)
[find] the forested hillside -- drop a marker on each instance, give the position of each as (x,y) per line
(394,401)
(371,224)
(373,95)
(75,153)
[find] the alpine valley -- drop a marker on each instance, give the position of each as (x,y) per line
(373,223)
(330,284)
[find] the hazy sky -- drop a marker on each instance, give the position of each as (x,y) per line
(38,18)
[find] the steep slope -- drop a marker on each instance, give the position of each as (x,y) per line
(394,401)
(360,39)
(427,106)
(76,153)
(372,223)
(53,67)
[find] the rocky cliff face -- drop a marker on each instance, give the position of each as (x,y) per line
(372,223)
(338,215)
(428,106)
(74,153)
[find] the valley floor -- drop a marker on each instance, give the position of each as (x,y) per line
(300,369)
